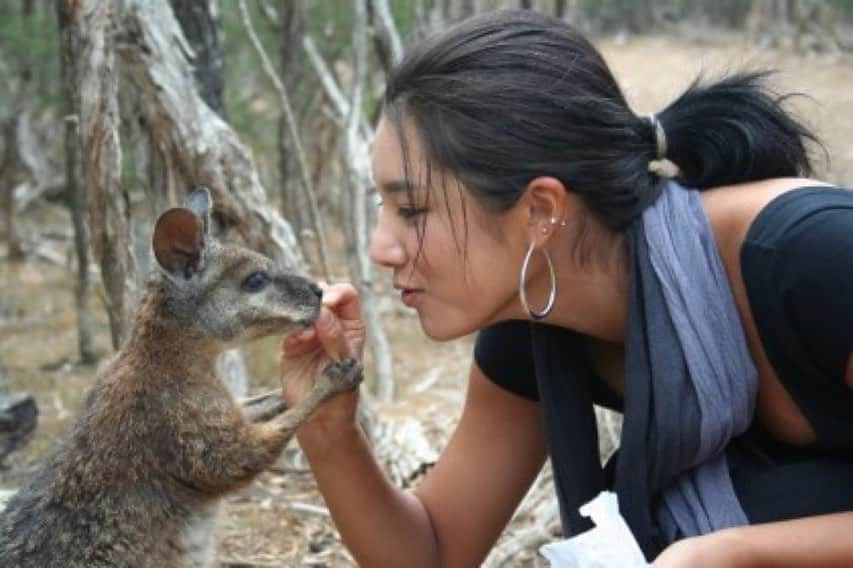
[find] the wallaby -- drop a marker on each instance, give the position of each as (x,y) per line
(160,439)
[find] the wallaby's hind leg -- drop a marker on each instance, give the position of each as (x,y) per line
(337,377)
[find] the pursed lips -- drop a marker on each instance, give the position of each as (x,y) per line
(409,295)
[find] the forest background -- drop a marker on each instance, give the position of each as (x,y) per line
(111,110)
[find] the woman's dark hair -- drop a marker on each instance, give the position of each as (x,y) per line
(505,97)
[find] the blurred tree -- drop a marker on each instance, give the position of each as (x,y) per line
(89,31)
(291,32)
(199,20)
(75,188)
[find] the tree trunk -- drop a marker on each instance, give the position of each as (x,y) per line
(75,191)
(12,174)
(294,203)
(195,144)
(27,13)
(358,166)
(89,32)
(13,168)
(199,22)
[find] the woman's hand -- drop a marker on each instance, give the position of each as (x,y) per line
(338,333)
(714,550)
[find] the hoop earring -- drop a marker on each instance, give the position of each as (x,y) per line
(522,280)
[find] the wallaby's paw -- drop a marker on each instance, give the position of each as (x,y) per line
(341,376)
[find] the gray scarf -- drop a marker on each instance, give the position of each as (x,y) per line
(690,386)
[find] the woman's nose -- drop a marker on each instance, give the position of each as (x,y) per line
(385,249)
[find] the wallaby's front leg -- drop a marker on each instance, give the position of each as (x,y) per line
(221,458)
(264,406)
(336,377)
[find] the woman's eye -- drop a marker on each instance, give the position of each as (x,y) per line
(410,212)
(256,281)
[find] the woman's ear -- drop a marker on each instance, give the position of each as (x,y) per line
(547,204)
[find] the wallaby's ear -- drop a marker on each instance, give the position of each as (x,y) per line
(178,242)
(200,202)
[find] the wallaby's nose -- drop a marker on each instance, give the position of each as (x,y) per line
(317,290)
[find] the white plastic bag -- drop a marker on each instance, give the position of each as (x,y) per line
(609,544)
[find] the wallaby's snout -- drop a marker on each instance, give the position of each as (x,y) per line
(297,301)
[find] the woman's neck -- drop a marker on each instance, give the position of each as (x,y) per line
(592,292)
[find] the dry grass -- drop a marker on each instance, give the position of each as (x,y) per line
(280,520)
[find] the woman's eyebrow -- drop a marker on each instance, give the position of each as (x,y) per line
(398,185)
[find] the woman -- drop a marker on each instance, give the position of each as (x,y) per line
(719,320)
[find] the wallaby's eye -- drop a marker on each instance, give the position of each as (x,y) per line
(256,281)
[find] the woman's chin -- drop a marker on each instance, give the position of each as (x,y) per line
(438,330)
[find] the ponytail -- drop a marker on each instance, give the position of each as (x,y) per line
(732,131)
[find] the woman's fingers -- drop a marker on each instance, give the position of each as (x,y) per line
(330,333)
(342,298)
(298,344)
(340,310)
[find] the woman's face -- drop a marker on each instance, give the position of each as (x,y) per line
(455,273)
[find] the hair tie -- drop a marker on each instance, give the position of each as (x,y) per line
(661,165)
(660,135)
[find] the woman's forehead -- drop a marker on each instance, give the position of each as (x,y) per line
(388,154)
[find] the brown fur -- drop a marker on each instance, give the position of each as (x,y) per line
(160,439)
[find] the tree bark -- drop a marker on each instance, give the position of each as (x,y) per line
(89,31)
(196,146)
(294,205)
(199,22)
(358,167)
(75,191)
(12,174)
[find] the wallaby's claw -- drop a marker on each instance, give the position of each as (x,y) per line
(342,376)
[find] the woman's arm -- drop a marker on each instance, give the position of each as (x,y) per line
(823,541)
(463,503)
(457,513)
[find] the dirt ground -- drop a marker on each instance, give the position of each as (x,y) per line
(280,520)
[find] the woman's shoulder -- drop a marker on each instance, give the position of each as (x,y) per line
(732,209)
(733,212)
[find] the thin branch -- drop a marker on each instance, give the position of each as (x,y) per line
(388,29)
(330,86)
(327,79)
(284,100)
(270,14)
